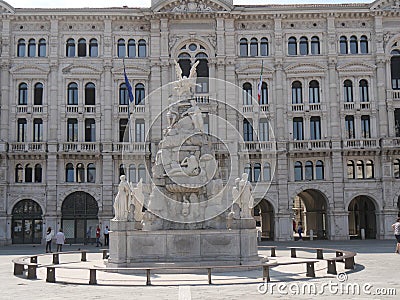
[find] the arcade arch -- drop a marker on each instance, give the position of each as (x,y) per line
(362,216)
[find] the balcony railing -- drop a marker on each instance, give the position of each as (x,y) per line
(309,145)
(315,106)
(79,147)
(37,109)
(247,108)
(28,147)
(264,108)
(72,108)
(348,105)
(361,144)
(298,107)
(22,109)
(365,105)
(396,95)
(131,147)
(258,146)
(90,109)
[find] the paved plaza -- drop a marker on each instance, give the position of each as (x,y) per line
(376,272)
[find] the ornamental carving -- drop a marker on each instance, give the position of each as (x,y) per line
(187,6)
(303,24)
(254,26)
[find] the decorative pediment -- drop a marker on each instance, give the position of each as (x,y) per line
(305,68)
(386,5)
(192,6)
(356,68)
(6,8)
(81,70)
(29,70)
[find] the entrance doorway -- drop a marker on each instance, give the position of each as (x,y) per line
(309,209)
(264,216)
(362,216)
(79,218)
(27,223)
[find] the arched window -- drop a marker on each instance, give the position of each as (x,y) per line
(264,94)
(38,94)
(369,169)
(90,94)
(267,172)
(353,45)
(244,50)
(253,47)
(360,169)
(309,175)
(247,93)
(343,45)
(247,131)
(264,51)
(72,94)
(21,48)
(313,91)
(315,46)
(396,168)
(19,173)
(32,48)
(69,173)
(298,171)
(292,46)
(123,95)
(131,48)
(247,170)
(38,173)
(121,48)
(351,170)
(364,44)
(297,94)
(28,173)
(23,94)
(70,48)
(139,94)
(121,171)
(303,46)
(42,48)
(142,173)
(319,170)
(348,91)
(81,48)
(93,48)
(263,130)
(364,95)
(185,63)
(132,173)
(91,173)
(349,124)
(142,48)
(202,73)
(80,173)
(257,172)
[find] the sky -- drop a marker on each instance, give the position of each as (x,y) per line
(146,3)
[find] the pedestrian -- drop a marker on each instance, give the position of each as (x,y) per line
(396,228)
(60,240)
(300,231)
(49,237)
(106,236)
(98,237)
(88,235)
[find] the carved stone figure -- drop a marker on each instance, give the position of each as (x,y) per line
(185,207)
(185,84)
(122,200)
(188,167)
(246,198)
(137,200)
(195,114)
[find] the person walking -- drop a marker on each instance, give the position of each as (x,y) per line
(49,237)
(60,240)
(396,228)
(106,236)
(98,237)
(300,231)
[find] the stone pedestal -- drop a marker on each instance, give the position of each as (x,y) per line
(133,248)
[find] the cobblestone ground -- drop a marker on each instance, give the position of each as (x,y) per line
(377,274)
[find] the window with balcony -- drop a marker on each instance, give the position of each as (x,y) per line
(396,168)
(351,170)
(142,48)
(315,46)
(90,130)
(142,173)
(353,44)
(298,171)
(309,173)
(244,50)
(81,48)
(349,124)
(139,94)
(123,95)
(21,48)
(123,125)
(37,130)
(19,173)
(93,48)
(343,45)
(267,172)
(364,94)
(131,48)
(319,170)
(32,48)
(21,132)
(257,172)
(365,127)
(80,173)
(292,46)
(253,47)
(121,48)
(303,45)
(364,45)
(91,173)
(313,91)
(38,94)
(90,94)
(38,173)
(348,91)
(247,131)
(28,173)
(132,173)
(42,48)
(395,69)
(140,131)
(298,132)
(72,130)
(264,94)
(297,93)
(247,93)
(23,94)
(315,128)
(70,50)
(264,51)
(69,173)
(72,94)
(263,131)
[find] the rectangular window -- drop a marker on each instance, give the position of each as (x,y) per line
(21,132)
(72,130)
(139,132)
(37,130)
(263,131)
(314,95)
(247,131)
(123,125)
(90,130)
(298,129)
(365,127)
(349,123)
(315,128)
(397,121)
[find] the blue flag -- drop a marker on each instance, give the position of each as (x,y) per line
(129,87)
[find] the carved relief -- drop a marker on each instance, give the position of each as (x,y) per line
(126,26)
(353,23)
(303,24)
(187,6)
(254,26)
(31,26)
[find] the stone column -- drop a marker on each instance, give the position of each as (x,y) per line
(283,227)
(338,225)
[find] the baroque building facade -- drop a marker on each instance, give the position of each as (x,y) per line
(330,96)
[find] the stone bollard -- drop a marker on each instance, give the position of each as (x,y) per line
(362,233)
(311,235)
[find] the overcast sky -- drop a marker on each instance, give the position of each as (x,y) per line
(146,3)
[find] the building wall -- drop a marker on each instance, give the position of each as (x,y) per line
(218,26)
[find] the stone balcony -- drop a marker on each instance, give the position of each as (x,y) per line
(28,147)
(31,109)
(393,95)
(361,144)
(79,147)
(258,146)
(306,145)
(131,148)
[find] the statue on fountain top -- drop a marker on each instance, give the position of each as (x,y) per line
(185,84)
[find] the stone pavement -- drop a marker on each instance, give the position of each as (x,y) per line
(377,271)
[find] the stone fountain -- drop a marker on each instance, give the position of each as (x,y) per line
(191,217)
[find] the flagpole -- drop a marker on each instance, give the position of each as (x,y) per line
(131,99)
